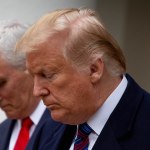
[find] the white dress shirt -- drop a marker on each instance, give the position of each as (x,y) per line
(99,119)
(2,115)
(35,117)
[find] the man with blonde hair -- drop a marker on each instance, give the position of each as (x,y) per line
(29,124)
(79,71)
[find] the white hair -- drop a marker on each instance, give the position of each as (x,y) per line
(10,32)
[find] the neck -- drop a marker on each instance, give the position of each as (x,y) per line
(106,86)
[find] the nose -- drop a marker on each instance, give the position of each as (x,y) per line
(39,90)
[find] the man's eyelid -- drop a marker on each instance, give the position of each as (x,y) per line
(48,75)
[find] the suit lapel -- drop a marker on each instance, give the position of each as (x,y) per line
(34,141)
(107,140)
(67,137)
(8,131)
(122,118)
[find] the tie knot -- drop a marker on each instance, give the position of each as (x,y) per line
(27,122)
(82,141)
(84,129)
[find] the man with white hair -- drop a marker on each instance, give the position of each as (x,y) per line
(29,123)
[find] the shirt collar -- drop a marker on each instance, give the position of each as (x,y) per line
(38,112)
(98,120)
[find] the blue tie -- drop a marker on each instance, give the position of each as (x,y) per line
(82,140)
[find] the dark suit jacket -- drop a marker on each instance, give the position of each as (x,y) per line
(44,132)
(128,127)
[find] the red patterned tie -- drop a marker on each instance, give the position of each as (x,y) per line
(23,135)
(82,140)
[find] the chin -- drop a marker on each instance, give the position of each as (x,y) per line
(11,116)
(59,116)
(65,119)
(55,116)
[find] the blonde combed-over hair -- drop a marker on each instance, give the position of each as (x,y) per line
(85,40)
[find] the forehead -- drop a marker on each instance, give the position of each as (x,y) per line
(4,65)
(48,55)
(5,68)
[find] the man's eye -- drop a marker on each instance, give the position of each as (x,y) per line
(42,75)
(2,83)
(48,76)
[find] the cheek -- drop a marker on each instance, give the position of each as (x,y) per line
(70,90)
(14,113)
(13,93)
(72,94)
(11,96)
(11,107)
(7,92)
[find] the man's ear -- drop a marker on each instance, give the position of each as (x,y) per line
(96,70)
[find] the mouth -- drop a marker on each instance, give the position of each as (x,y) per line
(52,107)
(5,107)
